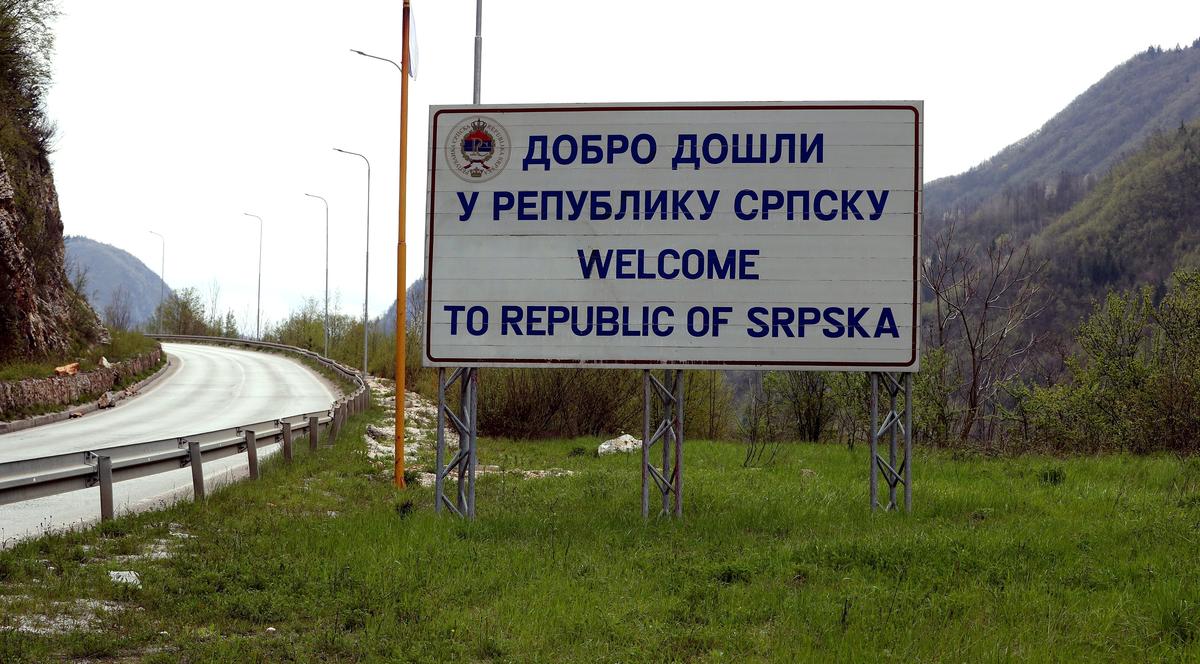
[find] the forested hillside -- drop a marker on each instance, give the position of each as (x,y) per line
(1139,224)
(119,286)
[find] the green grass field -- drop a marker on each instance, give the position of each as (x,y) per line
(1003,559)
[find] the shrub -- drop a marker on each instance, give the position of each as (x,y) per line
(1135,384)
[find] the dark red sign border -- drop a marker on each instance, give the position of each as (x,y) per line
(474,361)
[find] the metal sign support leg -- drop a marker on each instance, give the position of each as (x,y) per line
(896,423)
(464,462)
(668,394)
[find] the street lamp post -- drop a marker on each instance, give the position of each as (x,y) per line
(401,276)
(367,261)
(162,278)
(478,49)
(326,269)
(258,310)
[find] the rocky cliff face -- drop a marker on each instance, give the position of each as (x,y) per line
(41,315)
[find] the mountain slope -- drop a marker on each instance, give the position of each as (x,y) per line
(1155,90)
(1139,223)
(414,311)
(111,270)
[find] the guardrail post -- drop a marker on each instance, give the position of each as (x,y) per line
(104,470)
(334,420)
(287,442)
(313,434)
(252,452)
(197,464)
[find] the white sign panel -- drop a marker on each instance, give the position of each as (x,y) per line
(773,235)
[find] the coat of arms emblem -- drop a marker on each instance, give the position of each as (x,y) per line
(477,149)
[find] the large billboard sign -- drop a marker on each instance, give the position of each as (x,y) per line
(760,236)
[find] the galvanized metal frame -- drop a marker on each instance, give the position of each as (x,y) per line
(896,423)
(464,461)
(667,395)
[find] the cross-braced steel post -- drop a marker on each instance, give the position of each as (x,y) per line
(464,461)
(668,394)
(896,423)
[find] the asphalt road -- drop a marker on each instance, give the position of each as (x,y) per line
(207,388)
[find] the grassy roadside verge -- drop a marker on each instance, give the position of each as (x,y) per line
(1027,558)
(123,346)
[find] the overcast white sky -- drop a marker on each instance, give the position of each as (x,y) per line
(179,116)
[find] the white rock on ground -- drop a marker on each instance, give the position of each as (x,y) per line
(131,578)
(622,443)
(159,550)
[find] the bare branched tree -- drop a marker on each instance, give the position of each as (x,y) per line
(805,397)
(117,314)
(982,301)
(762,440)
(214,299)
(415,302)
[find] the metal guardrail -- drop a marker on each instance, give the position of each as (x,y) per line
(27,479)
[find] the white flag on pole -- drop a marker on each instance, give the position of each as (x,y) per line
(412,44)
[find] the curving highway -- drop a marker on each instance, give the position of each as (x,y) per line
(206,388)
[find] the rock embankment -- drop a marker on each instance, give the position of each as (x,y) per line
(23,396)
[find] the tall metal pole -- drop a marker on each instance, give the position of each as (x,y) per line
(326,270)
(401,249)
(401,253)
(478,47)
(258,310)
(162,278)
(367,260)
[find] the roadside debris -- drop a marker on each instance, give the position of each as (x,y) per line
(158,550)
(126,577)
(622,443)
(67,369)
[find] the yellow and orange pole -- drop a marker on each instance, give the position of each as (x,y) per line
(401,279)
